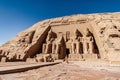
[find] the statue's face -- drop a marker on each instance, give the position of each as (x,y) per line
(76,33)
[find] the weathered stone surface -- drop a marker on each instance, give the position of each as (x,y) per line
(83,36)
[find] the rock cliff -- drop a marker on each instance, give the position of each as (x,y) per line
(81,36)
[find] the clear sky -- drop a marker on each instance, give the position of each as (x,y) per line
(18,15)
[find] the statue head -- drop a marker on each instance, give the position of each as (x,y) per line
(77,34)
(87,33)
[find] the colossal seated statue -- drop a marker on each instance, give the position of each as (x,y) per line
(76,42)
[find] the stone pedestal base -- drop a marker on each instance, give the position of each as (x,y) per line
(55,56)
(3,59)
(90,56)
(31,60)
(75,57)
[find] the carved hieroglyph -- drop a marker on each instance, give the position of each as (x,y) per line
(77,37)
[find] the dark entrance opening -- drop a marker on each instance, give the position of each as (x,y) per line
(67,52)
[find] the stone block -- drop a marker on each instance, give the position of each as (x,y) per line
(3,59)
(31,60)
(75,57)
(90,56)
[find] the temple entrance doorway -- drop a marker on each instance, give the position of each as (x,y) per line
(67,52)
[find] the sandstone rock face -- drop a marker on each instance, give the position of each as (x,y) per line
(77,37)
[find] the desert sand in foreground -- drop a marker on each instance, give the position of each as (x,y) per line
(74,70)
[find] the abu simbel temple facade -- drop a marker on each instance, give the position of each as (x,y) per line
(75,38)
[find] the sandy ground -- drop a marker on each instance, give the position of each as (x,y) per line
(12,63)
(74,70)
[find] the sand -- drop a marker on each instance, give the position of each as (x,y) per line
(74,70)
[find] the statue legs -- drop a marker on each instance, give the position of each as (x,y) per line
(85,47)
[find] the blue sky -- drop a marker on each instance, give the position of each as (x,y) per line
(18,15)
